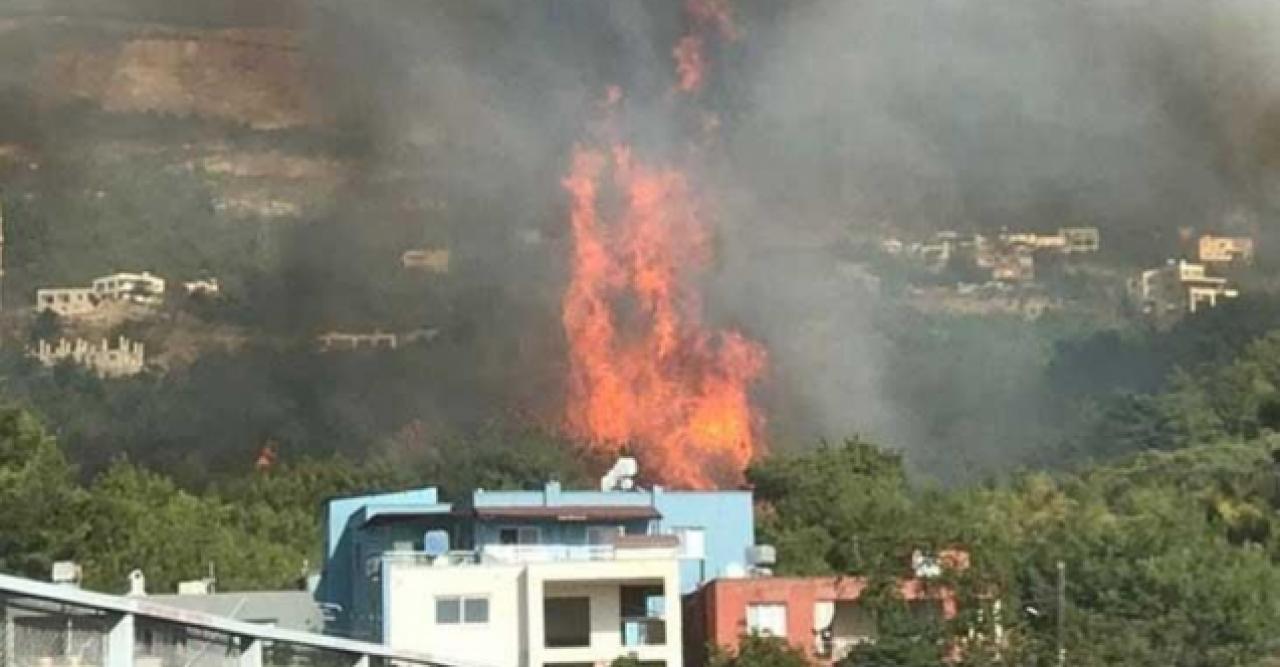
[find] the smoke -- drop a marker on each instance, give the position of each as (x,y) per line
(837,118)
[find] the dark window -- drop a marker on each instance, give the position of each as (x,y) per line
(567,622)
(475,610)
(448,610)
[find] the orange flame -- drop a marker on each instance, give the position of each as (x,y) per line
(644,372)
(691,66)
(689,52)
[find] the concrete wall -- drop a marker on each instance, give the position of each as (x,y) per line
(721,606)
(552,532)
(410,623)
(728,518)
(338,579)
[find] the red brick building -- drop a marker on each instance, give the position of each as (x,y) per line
(821,615)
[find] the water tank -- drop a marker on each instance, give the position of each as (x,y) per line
(762,555)
(66,573)
(621,477)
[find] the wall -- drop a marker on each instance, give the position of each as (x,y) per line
(410,622)
(721,606)
(602,581)
(552,532)
(729,520)
(339,576)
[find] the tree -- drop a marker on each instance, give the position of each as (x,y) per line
(40,504)
(759,651)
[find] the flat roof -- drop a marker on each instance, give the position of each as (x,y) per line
(369,513)
(569,512)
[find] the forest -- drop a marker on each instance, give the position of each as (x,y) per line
(1170,545)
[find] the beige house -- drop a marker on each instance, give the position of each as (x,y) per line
(433,260)
(1181,287)
(66,302)
(539,605)
(137,288)
(1226,249)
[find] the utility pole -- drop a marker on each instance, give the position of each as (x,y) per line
(1062,613)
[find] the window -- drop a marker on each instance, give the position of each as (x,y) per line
(602,534)
(453,609)
(519,535)
(567,622)
(475,610)
(767,619)
(693,542)
(448,610)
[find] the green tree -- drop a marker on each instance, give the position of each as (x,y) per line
(40,504)
(759,651)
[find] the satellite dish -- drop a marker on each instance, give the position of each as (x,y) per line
(435,543)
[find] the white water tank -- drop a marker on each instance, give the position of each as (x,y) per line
(66,573)
(621,477)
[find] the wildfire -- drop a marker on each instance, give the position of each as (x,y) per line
(644,371)
(690,52)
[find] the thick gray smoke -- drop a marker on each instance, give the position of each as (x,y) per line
(842,117)
(454,122)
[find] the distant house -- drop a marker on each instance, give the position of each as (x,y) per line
(1226,249)
(338,341)
(1180,287)
(434,260)
(137,288)
(141,288)
(66,301)
(202,287)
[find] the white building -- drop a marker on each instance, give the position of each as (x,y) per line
(139,288)
(142,288)
(66,302)
(1181,286)
(520,605)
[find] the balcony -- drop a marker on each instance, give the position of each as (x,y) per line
(644,631)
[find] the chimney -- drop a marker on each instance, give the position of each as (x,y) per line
(551,493)
(137,584)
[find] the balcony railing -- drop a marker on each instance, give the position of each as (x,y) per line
(545,553)
(644,631)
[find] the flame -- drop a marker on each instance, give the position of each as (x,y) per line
(690,52)
(691,66)
(644,371)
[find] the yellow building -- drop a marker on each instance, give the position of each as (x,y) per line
(1226,249)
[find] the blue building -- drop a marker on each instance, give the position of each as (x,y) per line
(716,531)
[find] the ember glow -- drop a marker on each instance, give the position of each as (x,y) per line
(645,372)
